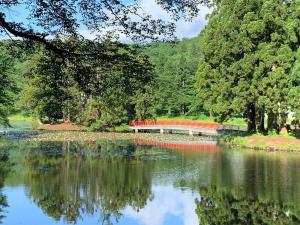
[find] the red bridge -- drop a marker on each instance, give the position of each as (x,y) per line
(191,127)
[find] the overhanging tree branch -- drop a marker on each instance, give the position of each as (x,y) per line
(10,27)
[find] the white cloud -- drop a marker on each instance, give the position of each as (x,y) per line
(184,29)
(167,201)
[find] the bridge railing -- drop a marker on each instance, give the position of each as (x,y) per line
(175,123)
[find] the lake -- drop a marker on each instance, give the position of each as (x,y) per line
(145,183)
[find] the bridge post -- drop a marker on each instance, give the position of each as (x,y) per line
(161,130)
(136,130)
(191,132)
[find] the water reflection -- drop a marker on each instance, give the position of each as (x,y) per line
(119,182)
(87,184)
(168,203)
(5,167)
(252,188)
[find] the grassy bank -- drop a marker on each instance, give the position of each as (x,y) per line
(22,122)
(20,117)
(271,142)
(205,118)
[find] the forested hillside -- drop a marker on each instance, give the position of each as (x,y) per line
(175,66)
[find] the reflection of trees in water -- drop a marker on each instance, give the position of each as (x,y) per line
(5,167)
(78,182)
(220,207)
(68,180)
(261,190)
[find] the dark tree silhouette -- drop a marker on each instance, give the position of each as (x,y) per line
(61,18)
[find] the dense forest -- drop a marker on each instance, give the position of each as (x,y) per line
(244,64)
(77,89)
(175,66)
(140,83)
(249,64)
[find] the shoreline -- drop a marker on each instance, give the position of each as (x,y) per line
(271,143)
(268,149)
(256,143)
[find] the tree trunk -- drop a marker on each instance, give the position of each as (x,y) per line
(282,125)
(251,118)
(211,115)
(261,126)
(272,122)
(66,112)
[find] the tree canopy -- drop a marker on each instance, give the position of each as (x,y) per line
(248,54)
(175,65)
(86,90)
(8,84)
(54,18)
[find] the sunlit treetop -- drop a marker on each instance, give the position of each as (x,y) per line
(46,19)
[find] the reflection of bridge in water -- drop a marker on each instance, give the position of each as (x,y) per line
(191,127)
(193,145)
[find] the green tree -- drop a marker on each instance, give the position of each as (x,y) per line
(248,50)
(8,88)
(175,67)
(88,89)
(294,93)
(51,93)
(117,90)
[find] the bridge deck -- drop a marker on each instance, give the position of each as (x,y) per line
(190,126)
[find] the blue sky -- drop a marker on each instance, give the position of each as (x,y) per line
(185,29)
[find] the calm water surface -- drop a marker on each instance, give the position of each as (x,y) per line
(121,182)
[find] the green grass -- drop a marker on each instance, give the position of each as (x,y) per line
(20,117)
(20,121)
(274,135)
(244,141)
(236,121)
(205,118)
(123,128)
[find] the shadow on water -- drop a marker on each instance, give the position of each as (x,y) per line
(71,180)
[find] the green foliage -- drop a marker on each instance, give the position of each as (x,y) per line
(8,87)
(119,92)
(121,128)
(144,103)
(248,51)
(294,93)
(51,92)
(87,90)
(175,67)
